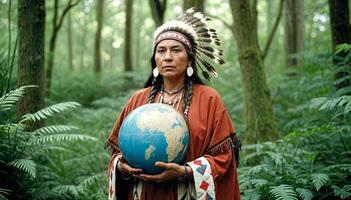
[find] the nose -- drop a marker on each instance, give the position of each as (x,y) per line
(168,55)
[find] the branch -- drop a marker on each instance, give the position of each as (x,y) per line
(65,11)
(274,29)
(220,19)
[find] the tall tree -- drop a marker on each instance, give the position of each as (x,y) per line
(69,40)
(99,19)
(128,37)
(56,26)
(340,30)
(31,31)
(158,8)
(293,31)
(197,4)
(258,115)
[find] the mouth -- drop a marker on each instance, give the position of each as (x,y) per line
(168,67)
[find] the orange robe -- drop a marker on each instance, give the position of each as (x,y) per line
(209,154)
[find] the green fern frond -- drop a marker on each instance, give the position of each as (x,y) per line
(49,111)
(68,189)
(277,158)
(343,193)
(259,169)
(25,165)
(319,180)
(325,103)
(343,167)
(251,194)
(4,191)
(54,129)
(283,192)
(9,100)
(60,137)
(45,195)
(259,182)
(92,179)
(305,194)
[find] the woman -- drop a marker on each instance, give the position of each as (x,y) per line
(209,170)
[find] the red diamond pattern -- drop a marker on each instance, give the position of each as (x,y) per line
(198,162)
(204,185)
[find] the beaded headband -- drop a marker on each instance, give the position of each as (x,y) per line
(191,29)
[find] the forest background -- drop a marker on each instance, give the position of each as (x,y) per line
(67,68)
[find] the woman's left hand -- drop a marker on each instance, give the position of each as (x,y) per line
(172,171)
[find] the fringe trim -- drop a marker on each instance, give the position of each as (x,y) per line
(220,148)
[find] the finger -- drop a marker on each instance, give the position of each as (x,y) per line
(171,166)
(127,168)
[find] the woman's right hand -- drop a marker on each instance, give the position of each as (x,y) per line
(125,168)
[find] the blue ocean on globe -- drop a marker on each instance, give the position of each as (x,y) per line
(153,132)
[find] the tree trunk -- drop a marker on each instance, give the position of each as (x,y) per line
(197,4)
(51,55)
(158,8)
(128,37)
(69,39)
(31,30)
(293,32)
(258,116)
(340,30)
(57,23)
(99,18)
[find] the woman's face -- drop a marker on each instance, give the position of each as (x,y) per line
(171,59)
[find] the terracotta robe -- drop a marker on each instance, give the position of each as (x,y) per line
(210,154)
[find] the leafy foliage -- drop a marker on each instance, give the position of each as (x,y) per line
(25,153)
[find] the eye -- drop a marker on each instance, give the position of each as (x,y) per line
(160,51)
(177,50)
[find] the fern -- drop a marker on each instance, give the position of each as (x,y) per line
(68,189)
(259,182)
(326,103)
(54,129)
(259,169)
(9,100)
(251,195)
(25,165)
(60,137)
(92,179)
(48,111)
(343,167)
(4,191)
(305,194)
(343,193)
(283,192)
(319,180)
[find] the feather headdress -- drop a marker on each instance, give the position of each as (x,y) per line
(192,30)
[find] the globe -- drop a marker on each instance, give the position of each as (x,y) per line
(153,132)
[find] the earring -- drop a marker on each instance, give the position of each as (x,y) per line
(189,71)
(155,72)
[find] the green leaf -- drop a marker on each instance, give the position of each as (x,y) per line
(54,129)
(319,180)
(258,169)
(259,182)
(61,137)
(49,111)
(9,100)
(251,194)
(283,192)
(343,193)
(25,165)
(305,194)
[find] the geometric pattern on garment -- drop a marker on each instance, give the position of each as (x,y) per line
(112,180)
(203,179)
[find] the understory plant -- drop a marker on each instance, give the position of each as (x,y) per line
(33,162)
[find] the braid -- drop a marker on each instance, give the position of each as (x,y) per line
(187,99)
(153,91)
